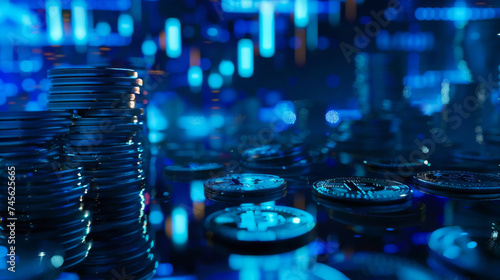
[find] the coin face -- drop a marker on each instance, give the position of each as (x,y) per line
(363,190)
(459,181)
(257,227)
(246,187)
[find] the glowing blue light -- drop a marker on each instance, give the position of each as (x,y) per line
(475,35)
(215,81)
(28,84)
(54,21)
(68,276)
(195,76)
(57,261)
(472,244)
(79,21)
(33,106)
(149,47)
(196,191)
(125,25)
(3,99)
(26,66)
(390,248)
(332,117)
(266,29)
(265,114)
(173,37)
(289,117)
(195,126)
(334,12)
(312,26)
(245,58)
(301,13)
(216,121)
(179,226)
(155,217)
(102,28)
(228,95)
(226,68)
(205,64)
(164,269)
(212,32)
(157,121)
(3,251)
(451,252)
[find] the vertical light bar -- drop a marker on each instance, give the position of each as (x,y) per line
(54,21)
(195,76)
(125,25)
(179,226)
(334,12)
(173,37)
(266,29)
(79,20)
(312,27)
(301,13)
(245,58)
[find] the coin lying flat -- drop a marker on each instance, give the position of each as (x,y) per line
(362,190)
(246,187)
(459,181)
(261,228)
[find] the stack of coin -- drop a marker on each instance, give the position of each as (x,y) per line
(106,140)
(42,198)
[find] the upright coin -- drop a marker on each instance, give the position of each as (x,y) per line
(362,190)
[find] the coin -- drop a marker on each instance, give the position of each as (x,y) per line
(362,190)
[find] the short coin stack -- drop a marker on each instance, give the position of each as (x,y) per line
(43,198)
(106,140)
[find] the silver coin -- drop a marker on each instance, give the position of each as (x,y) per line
(247,187)
(459,181)
(361,189)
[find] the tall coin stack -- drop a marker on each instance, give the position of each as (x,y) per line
(106,140)
(42,219)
